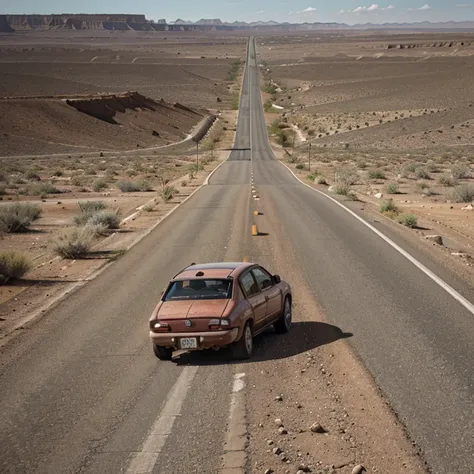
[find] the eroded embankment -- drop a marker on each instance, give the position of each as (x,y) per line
(38,125)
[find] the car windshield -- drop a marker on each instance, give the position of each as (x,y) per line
(199,289)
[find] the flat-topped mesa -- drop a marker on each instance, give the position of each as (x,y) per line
(9,23)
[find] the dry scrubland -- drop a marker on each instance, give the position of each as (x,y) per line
(68,179)
(390,121)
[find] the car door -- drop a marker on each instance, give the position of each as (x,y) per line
(255,298)
(270,291)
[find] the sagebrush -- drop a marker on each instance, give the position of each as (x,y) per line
(17,217)
(73,242)
(13,265)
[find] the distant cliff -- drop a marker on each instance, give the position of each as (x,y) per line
(12,23)
(9,23)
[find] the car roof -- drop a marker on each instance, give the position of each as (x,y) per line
(213,270)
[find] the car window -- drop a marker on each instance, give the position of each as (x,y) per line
(263,278)
(199,289)
(249,285)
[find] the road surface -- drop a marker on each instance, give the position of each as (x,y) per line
(81,391)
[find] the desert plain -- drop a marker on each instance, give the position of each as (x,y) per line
(131,123)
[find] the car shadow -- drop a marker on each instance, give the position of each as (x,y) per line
(303,336)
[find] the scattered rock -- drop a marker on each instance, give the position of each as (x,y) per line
(282,430)
(269,442)
(317,428)
(269,471)
(359,469)
(277,451)
(155,133)
(378,195)
(278,422)
(467,208)
(283,457)
(437,239)
(303,468)
(279,398)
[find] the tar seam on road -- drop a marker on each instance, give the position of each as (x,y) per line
(144,461)
(235,458)
(449,289)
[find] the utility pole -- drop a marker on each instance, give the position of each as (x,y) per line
(197,157)
(309,157)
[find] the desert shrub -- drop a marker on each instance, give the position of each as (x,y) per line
(184,183)
(432,167)
(3,177)
(392,188)
(32,176)
(388,205)
(13,265)
(447,180)
(408,220)
(194,168)
(148,208)
(127,186)
(3,189)
(342,189)
(143,185)
(320,179)
(422,173)
(346,176)
(300,166)
(376,174)
(58,173)
(460,172)
(92,206)
(106,219)
(410,167)
(73,242)
(99,185)
(77,181)
(40,189)
(168,192)
(17,217)
(463,193)
(110,173)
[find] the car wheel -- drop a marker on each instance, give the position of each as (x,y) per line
(163,353)
(243,348)
(284,321)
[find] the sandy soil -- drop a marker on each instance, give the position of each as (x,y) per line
(57,157)
(389,121)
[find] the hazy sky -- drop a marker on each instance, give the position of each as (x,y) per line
(348,11)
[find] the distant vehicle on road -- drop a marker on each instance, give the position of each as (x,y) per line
(213,305)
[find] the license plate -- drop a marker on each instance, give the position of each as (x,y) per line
(188,343)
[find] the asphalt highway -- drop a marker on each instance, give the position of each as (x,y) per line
(81,390)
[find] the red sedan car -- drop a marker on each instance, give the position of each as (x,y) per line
(219,304)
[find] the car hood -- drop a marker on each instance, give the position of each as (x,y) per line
(192,309)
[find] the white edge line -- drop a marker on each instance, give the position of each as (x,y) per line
(449,289)
(144,461)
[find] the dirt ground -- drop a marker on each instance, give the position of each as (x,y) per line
(106,145)
(381,125)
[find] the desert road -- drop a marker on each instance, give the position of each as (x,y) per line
(81,391)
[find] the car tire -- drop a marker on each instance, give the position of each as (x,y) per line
(243,348)
(163,353)
(283,324)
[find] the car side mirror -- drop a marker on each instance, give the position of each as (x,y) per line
(276,278)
